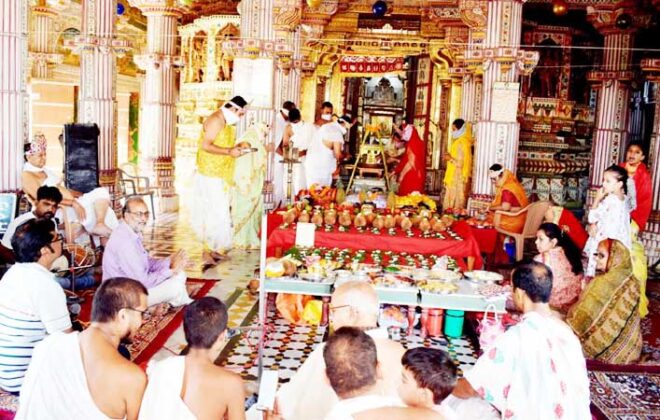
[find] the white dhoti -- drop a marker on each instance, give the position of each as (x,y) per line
(55,386)
(87,201)
(210,217)
(162,398)
(172,291)
(279,183)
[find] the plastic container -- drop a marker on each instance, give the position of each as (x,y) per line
(454,323)
(434,322)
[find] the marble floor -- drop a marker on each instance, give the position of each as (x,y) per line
(287,345)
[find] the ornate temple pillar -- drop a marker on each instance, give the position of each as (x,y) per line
(612,82)
(43,55)
(503,62)
(287,14)
(474,14)
(651,237)
(14,116)
(159,61)
(97,103)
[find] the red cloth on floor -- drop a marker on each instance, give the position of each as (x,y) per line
(468,247)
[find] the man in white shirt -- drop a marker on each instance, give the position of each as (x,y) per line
(82,375)
(32,303)
(48,199)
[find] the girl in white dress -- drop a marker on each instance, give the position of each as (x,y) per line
(609,216)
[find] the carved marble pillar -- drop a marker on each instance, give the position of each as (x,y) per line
(503,62)
(43,55)
(97,103)
(474,14)
(612,82)
(159,97)
(14,116)
(651,237)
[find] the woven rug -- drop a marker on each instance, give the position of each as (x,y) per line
(150,338)
(157,328)
(624,392)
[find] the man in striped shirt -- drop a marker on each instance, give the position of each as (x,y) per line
(32,303)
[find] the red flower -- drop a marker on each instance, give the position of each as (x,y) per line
(552,366)
(508,414)
(559,411)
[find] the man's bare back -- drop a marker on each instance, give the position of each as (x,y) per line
(203,379)
(116,385)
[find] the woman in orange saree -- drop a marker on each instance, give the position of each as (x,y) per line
(509,196)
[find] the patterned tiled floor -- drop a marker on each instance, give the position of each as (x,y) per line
(287,345)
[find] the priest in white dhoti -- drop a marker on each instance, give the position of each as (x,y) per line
(298,137)
(324,152)
(210,216)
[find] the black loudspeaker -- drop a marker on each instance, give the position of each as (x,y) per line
(81,157)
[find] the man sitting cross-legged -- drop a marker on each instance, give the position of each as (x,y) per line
(180,387)
(82,375)
(353,304)
(125,256)
(352,368)
(32,304)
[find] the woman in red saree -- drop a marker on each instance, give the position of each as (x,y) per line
(642,178)
(411,169)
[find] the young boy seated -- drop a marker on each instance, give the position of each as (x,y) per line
(429,377)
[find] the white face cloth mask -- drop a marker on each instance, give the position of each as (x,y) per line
(230,117)
(326,117)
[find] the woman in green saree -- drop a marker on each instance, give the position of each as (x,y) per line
(606,317)
(249,175)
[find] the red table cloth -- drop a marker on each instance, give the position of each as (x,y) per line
(468,247)
(486,238)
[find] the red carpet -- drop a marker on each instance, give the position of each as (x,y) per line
(151,337)
(156,329)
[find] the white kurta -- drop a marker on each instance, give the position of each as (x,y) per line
(321,163)
(162,398)
(210,217)
(55,386)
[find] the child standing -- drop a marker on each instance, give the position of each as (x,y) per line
(609,216)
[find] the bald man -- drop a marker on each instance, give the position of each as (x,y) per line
(353,304)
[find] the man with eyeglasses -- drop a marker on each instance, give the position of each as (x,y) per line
(82,375)
(353,304)
(125,256)
(32,303)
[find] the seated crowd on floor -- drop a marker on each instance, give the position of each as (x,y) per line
(572,309)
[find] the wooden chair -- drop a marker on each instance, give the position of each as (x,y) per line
(132,184)
(534,216)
